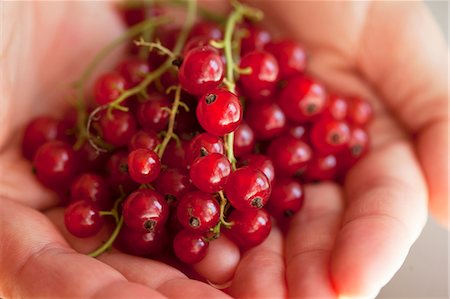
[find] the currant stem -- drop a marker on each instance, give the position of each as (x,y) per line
(173,113)
(223,204)
(81,83)
(110,241)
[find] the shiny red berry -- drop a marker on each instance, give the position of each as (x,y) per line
(250,227)
(175,154)
(330,136)
(118,127)
(302,99)
(145,210)
(152,114)
(143,165)
(290,156)
(359,112)
(190,247)
(290,56)
(299,131)
(244,140)
(144,139)
(82,219)
(202,70)
(198,211)
(134,70)
(206,29)
(109,87)
(286,199)
(117,173)
(322,167)
(91,187)
(247,188)
(266,119)
(219,112)
(357,147)
(141,243)
(55,164)
(254,39)
(210,173)
(173,183)
(37,132)
(202,145)
(261,162)
(260,83)
(337,108)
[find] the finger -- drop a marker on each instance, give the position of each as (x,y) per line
(310,241)
(385,214)
(36,262)
(261,272)
(419,99)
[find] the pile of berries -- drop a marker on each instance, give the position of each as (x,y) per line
(185,144)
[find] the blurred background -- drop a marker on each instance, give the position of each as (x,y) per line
(425,273)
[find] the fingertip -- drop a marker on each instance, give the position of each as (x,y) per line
(221,261)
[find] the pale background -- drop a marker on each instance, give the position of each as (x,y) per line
(425,273)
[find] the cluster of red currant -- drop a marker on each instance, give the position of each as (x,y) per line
(169,153)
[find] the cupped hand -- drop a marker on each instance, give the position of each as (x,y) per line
(345,242)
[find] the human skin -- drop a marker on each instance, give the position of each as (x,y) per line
(346,241)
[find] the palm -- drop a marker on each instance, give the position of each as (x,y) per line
(328,231)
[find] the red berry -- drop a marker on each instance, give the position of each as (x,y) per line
(359,112)
(302,99)
(330,136)
(219,112)
(152,114)
(357,147)
(82,219)
(144,139)
(143,165)
(266,119)
(202,70)
(37,132)
(210,173)
(195,42)
(300,132)
(250,227)
(109,87)
(255,39)
(244,140)
(55,164)
(90,159)
(202,145)
(261,162)
(141,243)
(289,155)
(206,29)
(247,188)
(175,155)
(336,109)
(93,188)
(118,127)
(134,70)
(198,211)
(286,198)
(145,210)
(290,56)
(190,247)
(260,83)
(173,183)
(322,167)
(117,173)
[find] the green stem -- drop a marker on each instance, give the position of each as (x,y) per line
(81,83)
(110,241)
(173,113)
(223,204)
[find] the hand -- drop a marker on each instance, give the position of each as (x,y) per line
(385,206)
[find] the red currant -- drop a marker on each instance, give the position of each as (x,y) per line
(141,243)
(302,99)
(219,112)
(143,165)
(266,119)
(173,183)
(145,210)
(357,147)
(261,162)
(38,131)
(118,127)
(210,173)
(152,114)
(250,227)
(255,39)
(91,187)
(261,82)
(359,112)
(190,247)
(322,167)
(175,154)
(290,156)
(202,145)
(117,173)
(134,70)
(290,56)
(336,109)
(244,140)
(82,219)
(109,87)
(247,188)
(202,70)
(330,136)
(144,139)
(286,199)
(206,29)
(198,211)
